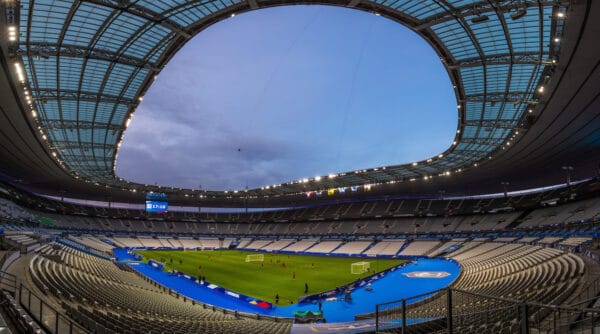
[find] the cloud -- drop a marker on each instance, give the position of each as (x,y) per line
(180,154)
(286,93)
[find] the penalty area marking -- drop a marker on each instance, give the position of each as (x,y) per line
(427,274)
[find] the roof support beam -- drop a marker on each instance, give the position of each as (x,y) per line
(472,154)
(46,94)
(525,58)
(85,158)
(482,141)
(492,124)
(84,146)
(73,125)
(493,97)
(353,3)
(253,4)
(46,50)
(478,8)
(143,12)
(93,172)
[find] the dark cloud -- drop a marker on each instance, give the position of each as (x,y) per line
(185,155)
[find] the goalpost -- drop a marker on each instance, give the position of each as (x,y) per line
(358,268)
(255,257)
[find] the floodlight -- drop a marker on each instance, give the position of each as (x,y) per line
(518,14)
(480,19)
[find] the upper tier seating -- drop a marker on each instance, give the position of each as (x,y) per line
(569,212)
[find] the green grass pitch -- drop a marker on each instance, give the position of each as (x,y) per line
(263,280)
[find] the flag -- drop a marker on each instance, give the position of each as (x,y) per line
(330,191)
(367,187)
(342,190)
(319,193)
(354,188)
(309,193)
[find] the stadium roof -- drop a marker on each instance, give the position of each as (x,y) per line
(80,68)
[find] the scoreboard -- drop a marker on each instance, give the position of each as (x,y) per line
(156,203)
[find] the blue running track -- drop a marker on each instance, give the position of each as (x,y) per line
(393,286)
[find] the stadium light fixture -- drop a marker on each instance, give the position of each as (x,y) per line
(480,19)
(505,187)
(556,39)
(568,170)
(560,15)
(20,74)
(541,89)
(317,178)
(520,13)
(12,33)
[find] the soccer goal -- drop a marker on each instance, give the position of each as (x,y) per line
(255,257)
(358,268)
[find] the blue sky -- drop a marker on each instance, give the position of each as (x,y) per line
(279,94)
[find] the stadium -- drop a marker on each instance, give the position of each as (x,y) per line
(499,233)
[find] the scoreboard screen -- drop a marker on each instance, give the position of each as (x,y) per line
(156,203)
(157,207)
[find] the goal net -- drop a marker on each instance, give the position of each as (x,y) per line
(358,268)
(255,257)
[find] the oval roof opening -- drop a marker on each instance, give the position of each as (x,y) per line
(286,93)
